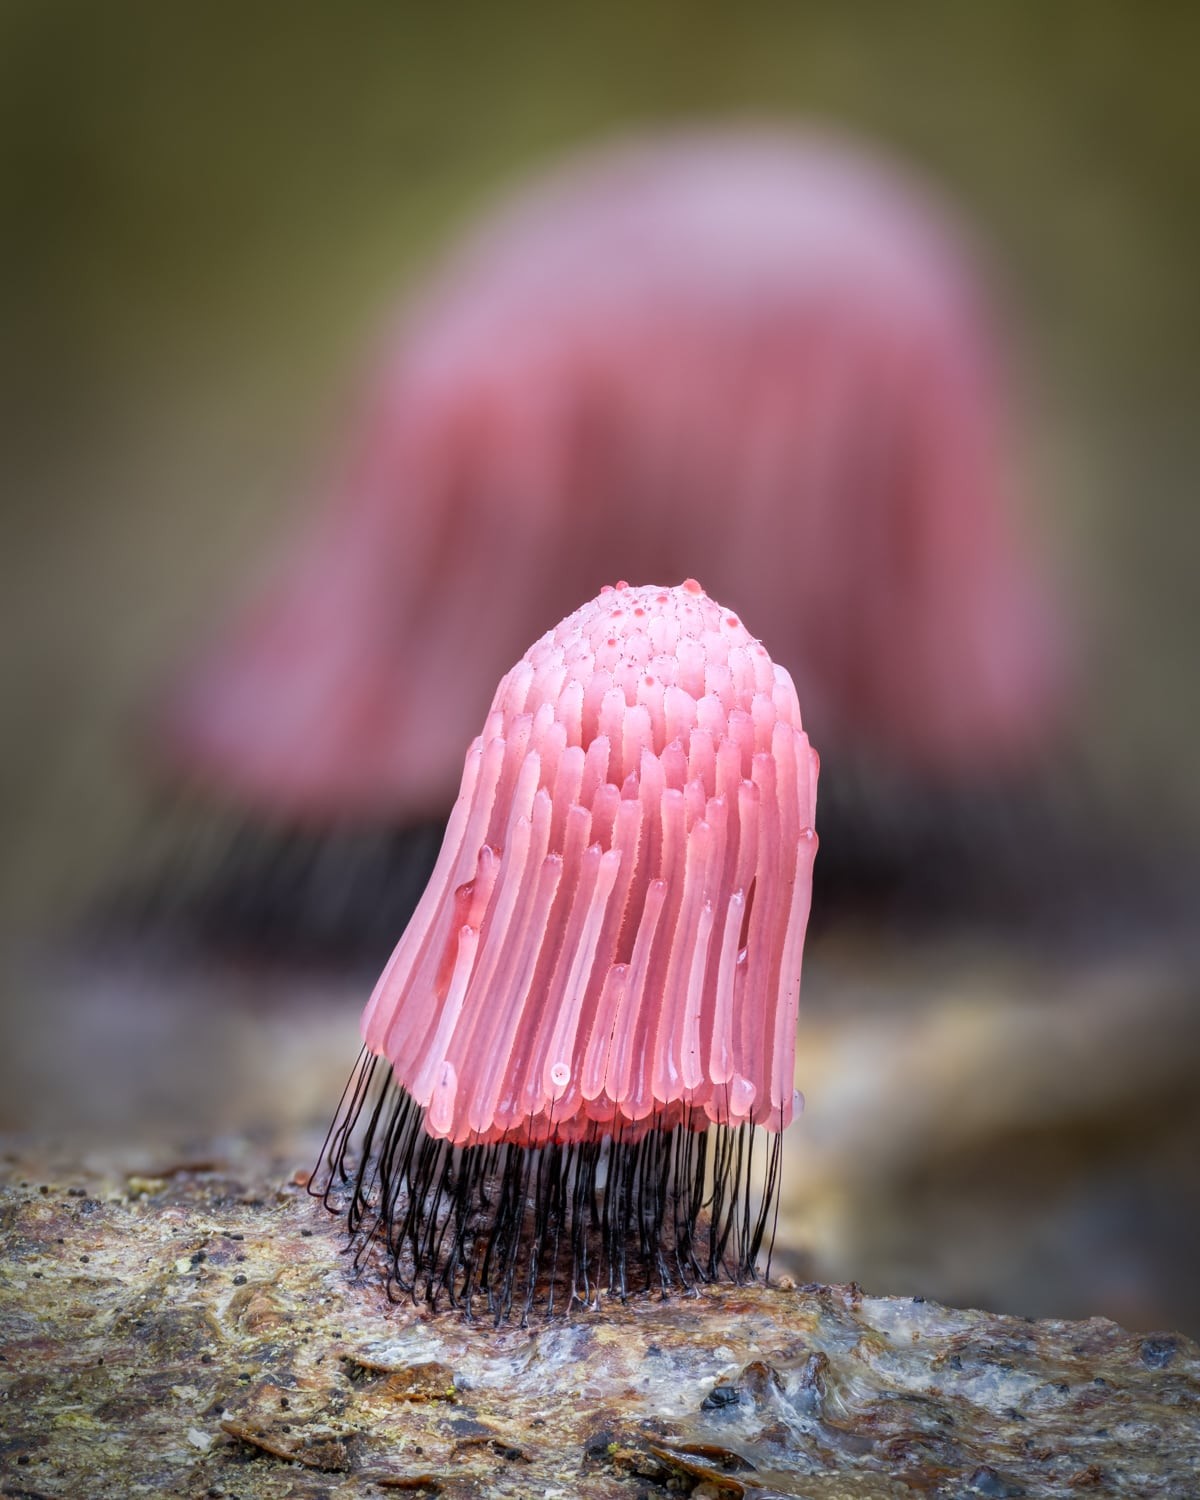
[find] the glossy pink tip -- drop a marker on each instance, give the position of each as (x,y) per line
(613,934)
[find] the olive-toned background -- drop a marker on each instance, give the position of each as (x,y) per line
(207,208)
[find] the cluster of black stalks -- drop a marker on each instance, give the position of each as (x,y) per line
(507,1228)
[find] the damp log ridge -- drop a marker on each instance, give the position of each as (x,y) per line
(190,1326)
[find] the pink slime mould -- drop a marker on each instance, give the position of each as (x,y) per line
(604,966)
(756,357)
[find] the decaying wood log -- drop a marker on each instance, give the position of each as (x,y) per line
(193,1331)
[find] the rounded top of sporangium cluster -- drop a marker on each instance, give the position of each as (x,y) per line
(612,937)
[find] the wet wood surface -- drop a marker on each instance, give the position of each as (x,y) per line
(189,1327)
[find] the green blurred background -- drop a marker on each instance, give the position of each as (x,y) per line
(208,207)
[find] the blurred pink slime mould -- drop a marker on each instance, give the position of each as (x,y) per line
(609,950)
(760,358)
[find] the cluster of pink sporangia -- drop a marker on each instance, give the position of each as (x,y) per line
(612,938)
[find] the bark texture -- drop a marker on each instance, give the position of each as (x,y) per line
(193,1331)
